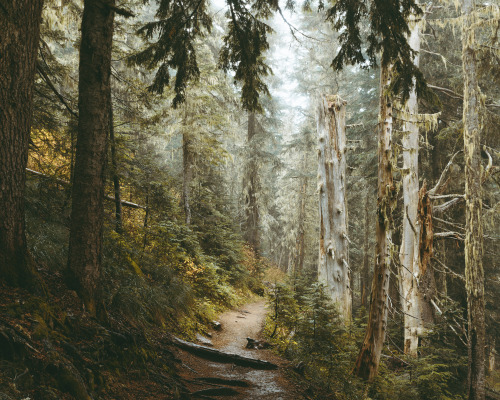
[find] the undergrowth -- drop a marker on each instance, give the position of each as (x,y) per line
(306,327)
(159,278)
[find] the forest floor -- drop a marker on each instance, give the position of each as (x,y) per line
(279,384)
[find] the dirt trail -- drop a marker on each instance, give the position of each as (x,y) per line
(237,325)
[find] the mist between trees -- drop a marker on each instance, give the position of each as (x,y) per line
(160,161)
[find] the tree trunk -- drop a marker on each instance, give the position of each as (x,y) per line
(474,274)
(87,213)
(365,271)
(369,357)
(114,166)
(20,27)
(252,217)
(333,267)
(187,173)
(301,241)
(411,298)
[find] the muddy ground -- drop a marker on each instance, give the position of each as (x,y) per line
(280,384)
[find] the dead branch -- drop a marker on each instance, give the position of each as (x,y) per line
(445,206)
(447,196)
(451,327)
(448,270)
(449,235)
(487,171)
(435,189)
(449,223)
(49,83)
(65,182)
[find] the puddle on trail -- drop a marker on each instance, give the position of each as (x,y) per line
(263,382)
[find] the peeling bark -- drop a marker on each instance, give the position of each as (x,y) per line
(365,271)
(369,356)
(333,265)
(474,273)
(409,253)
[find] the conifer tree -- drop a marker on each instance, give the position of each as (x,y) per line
(369,357)
(250,187)
(474,273)
(87,212)
(20,30)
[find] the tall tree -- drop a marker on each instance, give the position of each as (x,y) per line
(250,188)
(20,27)
(474,273)
(333,267)
(114,171)
(411,299)
(365,270)
(187,170)
(300,241)
(369,357)
(87,212)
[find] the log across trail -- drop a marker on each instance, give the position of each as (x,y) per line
(223,357)
(229,370)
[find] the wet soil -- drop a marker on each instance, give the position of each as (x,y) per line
(237,325)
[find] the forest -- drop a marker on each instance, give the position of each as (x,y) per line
(249,199)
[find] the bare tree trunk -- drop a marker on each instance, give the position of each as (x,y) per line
(87,213)
(369,357)
(251,184)
(410,274)
(20,32)
(333,267)
(114,166)
(474,273)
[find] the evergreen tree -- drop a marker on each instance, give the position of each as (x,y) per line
(20,26)
(94,106)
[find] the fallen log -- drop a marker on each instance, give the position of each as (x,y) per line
(64,182)
(222,357)
(222,381)
(216,392)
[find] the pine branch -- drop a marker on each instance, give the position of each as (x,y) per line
(49,83)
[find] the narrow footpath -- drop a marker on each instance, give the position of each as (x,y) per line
(235,381)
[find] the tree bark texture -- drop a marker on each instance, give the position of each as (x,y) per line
(19,38)
(474,273)
(116,178)
(87,213)
(333,264)
(369,357)
(250,188)
(365,271)
(410,274)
